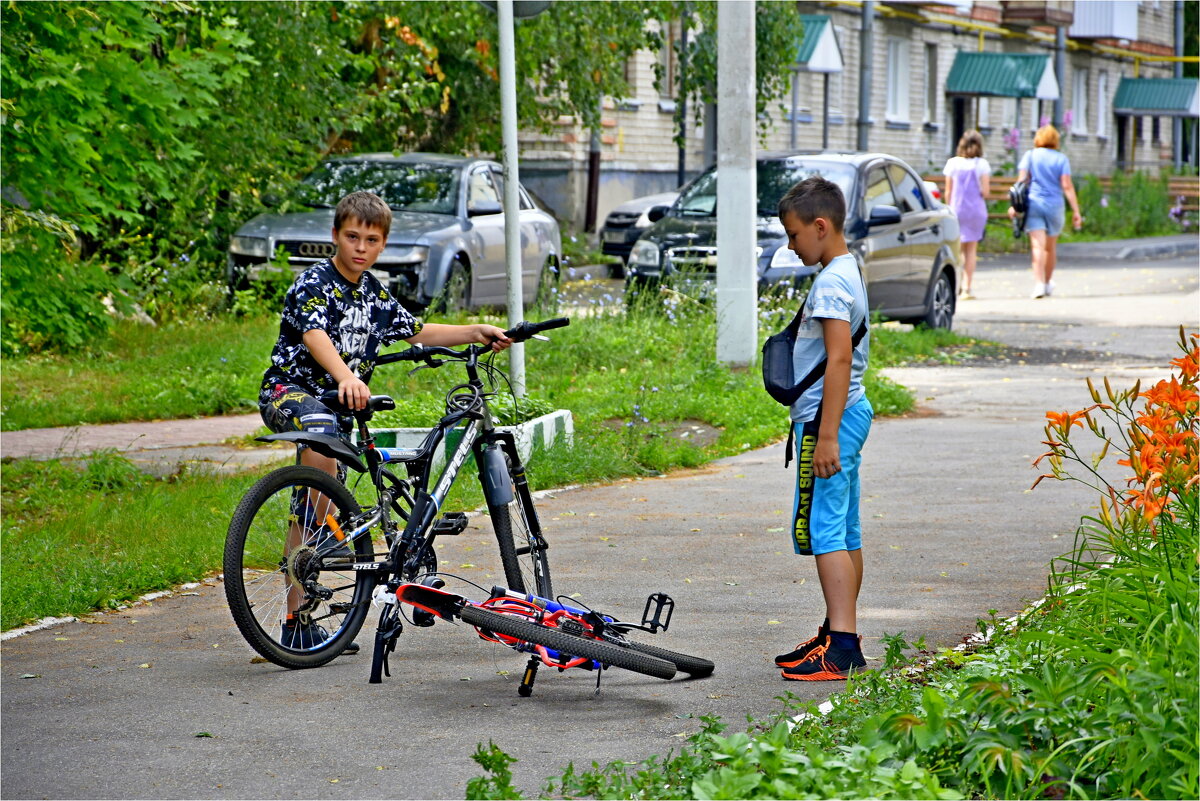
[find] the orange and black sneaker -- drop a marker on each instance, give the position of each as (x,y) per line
(827,662)
(793,658)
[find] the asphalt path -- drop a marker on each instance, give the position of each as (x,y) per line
(164,700)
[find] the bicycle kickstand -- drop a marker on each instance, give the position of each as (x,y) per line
(385,643)
(531,669)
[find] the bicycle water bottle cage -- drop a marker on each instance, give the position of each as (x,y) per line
(661,603)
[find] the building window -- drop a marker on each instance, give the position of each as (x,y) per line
(931,82)
(897,80)
(1102,104)
(668,67)
(983,114)
(837,80)
(1079,102)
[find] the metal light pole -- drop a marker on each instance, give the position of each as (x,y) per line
(512,199)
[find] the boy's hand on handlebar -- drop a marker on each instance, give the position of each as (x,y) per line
(353,393)
(491,335)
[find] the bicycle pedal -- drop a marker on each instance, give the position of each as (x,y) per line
(663,604)
(450,524)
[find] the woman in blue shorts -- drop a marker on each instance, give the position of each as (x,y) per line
(1049,174)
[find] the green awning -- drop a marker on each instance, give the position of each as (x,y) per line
(819,52)
(1158,97)
(1002,75)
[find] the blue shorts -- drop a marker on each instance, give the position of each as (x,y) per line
(1050,220)
(825,512)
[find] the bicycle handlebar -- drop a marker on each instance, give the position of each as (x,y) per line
(424,353)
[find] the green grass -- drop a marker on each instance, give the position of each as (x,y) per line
(143,373)
(71,543)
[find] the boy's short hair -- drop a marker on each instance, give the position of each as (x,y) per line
(815,197)
(367,208)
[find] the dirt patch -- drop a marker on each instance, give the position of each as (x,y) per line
(696,432)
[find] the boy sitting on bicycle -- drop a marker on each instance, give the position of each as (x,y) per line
(336,318)
(831,419)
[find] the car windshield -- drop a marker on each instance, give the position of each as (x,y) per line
(774,179)
(429,188)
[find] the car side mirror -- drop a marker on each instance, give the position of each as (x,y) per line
(884,215)
(656,213)
(480,208)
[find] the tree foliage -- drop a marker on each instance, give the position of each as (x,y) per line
(777,32)
(153,129)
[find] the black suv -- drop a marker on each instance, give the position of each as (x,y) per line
(908,241)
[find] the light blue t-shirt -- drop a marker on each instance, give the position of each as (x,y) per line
(1046,167)
(837,293)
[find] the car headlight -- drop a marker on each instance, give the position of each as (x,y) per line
(784,257)
(249,246)
(645,254)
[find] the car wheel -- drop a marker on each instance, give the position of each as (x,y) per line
(941,304)
(455,296)
(547,298)
(617,268)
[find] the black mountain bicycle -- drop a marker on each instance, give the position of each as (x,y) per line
(301,569)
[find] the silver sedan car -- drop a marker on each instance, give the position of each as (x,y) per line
(446,246)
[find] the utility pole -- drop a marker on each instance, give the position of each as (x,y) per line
(737,263)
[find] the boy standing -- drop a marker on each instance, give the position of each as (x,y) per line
(831,423)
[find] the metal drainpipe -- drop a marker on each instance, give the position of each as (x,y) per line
(1177,122)
(866,55)
(1060,72)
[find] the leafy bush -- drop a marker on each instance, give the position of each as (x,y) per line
(1136,204)
(50,300)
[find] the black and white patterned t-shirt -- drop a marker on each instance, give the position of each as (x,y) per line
(359,318)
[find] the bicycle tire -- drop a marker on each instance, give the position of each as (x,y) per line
(271,543)
(695,666)
(522,549)
(603,652)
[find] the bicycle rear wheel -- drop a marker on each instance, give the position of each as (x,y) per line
(694,666)
(522,549)
(289,579)
(569,644)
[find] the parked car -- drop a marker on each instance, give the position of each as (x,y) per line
(627,221)
(909,243)
(447,238)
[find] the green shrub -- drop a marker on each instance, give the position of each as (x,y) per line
(50,299)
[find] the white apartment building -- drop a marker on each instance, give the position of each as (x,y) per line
(936,69)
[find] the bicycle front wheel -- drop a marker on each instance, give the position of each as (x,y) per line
(289,575)
(694,666)
(568,644)
(519,535)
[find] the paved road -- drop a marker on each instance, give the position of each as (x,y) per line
(114,704)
